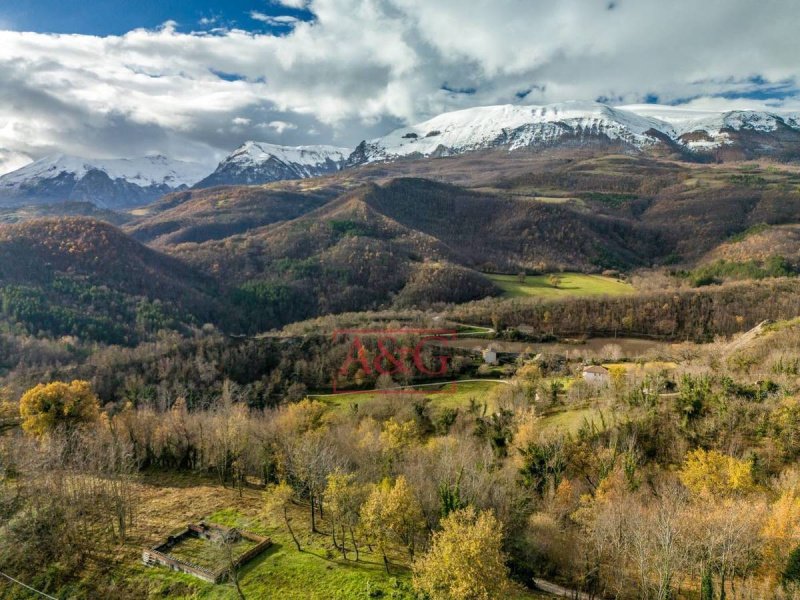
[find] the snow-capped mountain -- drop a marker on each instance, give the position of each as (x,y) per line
(258,162)
(707,131)
(108,183)
(637,127)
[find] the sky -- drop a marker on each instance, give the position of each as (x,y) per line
(194,79)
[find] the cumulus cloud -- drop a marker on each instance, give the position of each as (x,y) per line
(362,67)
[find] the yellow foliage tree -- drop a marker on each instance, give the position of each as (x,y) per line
(396,437)
(619,376)
(711,473)
(343,497)
(50,406)
(8,409)
(391,511)
(465,561)
(782,528)
(306,415)
(277,498)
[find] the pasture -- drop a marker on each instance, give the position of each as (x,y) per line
(569,284)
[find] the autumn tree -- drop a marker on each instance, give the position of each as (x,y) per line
(782,527)
(277,498)
(465,561)
(397,437)
(727,538)
(392,513)
(343,497)
(309,458)
(711,473)
(57,405)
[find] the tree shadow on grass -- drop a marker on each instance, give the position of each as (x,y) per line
(360,565)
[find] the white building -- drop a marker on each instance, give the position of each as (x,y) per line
(596,375)
(490,356)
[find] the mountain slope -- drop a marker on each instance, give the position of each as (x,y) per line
(200,215)
(114,183)
(648,128)
(259,162)
(730,135)
(77,276)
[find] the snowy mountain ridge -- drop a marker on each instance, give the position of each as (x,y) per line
(514,127)
(144,171)
(108,183)
(261,162)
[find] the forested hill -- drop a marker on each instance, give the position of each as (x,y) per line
(83,277)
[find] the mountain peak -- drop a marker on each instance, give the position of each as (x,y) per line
(255,163)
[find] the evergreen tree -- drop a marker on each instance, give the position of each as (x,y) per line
(791,573)
(707,586)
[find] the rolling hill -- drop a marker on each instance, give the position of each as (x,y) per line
(411,242)
(207,214)
(77,276)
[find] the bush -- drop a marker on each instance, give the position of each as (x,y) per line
(791,573)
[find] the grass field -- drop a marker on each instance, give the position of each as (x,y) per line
(446,395)
(641,369)
(570,421)
(571,284)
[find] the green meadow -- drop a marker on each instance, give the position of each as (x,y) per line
(569,284)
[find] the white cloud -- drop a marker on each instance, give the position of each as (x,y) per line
(362,67)
(275,21)
(11,161)
(292,3)
(280,126)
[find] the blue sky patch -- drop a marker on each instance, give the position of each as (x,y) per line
(112,17)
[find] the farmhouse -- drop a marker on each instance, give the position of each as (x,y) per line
(206,551)
(596,375)
(489,356)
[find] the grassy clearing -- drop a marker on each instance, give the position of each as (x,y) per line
(472,330)
(571,284)
(649,367)
(445,395)
(570,421)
